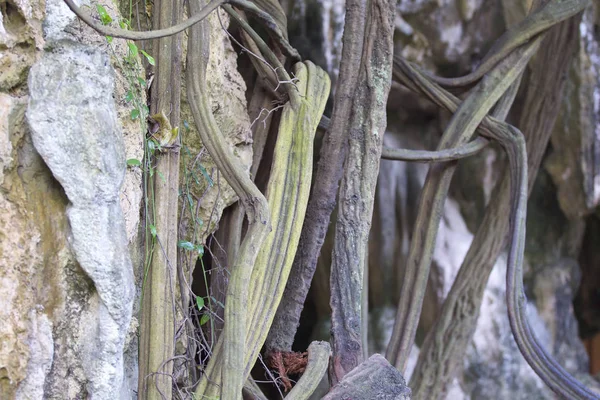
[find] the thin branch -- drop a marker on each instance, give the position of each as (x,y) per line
(136,35)
(282,75)
(425,156)
(271,25)
(538,22)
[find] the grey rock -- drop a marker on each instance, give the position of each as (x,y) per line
(41,347)
(374,378)
(76,131)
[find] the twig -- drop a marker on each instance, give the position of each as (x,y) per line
(136,35)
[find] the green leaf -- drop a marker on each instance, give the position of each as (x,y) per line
(141,81)
(129,96)
(135,114)
(204,319)
(200,302)
(124,24)
(104,17)
(185,245)
(148,57)
(200,249)
(109,39)
(153,230)
(133,49)
(134,162)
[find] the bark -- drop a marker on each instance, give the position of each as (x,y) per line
(323,195)
(157,333)
(446,343)
(460,129)
(357,189)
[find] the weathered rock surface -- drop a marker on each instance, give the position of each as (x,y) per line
(75,129)
(374,378)
(64,328)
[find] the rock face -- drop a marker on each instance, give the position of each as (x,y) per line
(75,129)
(374,378)
(71,209)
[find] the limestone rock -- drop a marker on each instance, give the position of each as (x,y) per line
(374,378)
(75,129)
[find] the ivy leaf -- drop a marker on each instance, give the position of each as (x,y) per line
(153,230)
(134,162)
(129,96)
(148,57)
(200,302)
(204,319)
(135,114)
(109,39)
(185,245)
(104,17)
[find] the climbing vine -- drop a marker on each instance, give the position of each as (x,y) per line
(259,308)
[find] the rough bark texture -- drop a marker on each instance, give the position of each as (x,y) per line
(446,343)
(157,333)
(357,189)
(324,191)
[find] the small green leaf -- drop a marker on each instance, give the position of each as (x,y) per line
(153,230)
(134,162)
(129,96)
(109,39)
(135,114)
(204,319)
(185,245)
(200,302)
(104,17)
(200,249)
(124,24)
(148,57)
(141,81)
(133,49)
